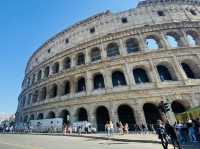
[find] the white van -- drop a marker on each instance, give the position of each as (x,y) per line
(47,125)
(83,127)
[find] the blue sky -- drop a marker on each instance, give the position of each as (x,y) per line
(26,24)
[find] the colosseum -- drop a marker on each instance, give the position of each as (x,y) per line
(117,66)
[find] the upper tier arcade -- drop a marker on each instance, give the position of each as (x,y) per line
(149,12)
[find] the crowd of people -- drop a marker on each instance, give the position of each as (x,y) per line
(179,133)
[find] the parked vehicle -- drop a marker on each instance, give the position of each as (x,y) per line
(83,127)
(47,125)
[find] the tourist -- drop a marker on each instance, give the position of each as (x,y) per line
(191,129)
(162,135)
(111,128)
(172,134)
(126,129)
(107,128)
(121,127)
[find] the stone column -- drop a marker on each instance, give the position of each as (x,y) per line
(183,38)
(155,77)
(113,114)
(91,117)
(181,74)
(73,61)
(142,43)
(72,86)
(87,56)
(108,79)
(139,113)
(103,52)
(129,73)
(89,83)
(165,43)
(122,48)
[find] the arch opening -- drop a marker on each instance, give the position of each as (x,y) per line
(140,76)
(152,113)
(98,81)
(66,117)
(113,50)
(81,86)
(118,79)
(82,114)
(126,115)
(95,54)
(102,117)
(179,106)
(132,45)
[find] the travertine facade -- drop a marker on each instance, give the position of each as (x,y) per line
(117,66)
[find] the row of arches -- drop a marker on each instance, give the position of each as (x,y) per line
(141,76)
(125,112)
(152,42)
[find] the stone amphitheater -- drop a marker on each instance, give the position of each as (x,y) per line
(117,66)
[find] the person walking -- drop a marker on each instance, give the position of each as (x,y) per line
(162,135)
(172,134)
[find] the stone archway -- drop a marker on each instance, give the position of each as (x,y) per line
(126,115)
(66,116)
(82,114)
(102,116)
(152,113)
(179,106)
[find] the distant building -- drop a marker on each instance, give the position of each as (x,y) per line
(117,66)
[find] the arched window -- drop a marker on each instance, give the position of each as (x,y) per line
(95,54)
(35,97)
(55,68)
(66,87)
(29,99)
(51,115)
(118,79)
(67,63)
(54,91)
(98,81)
(39,76)
(33,79)
(82,114)
(193,38)
(113,50)
(40,116)
(81,87)
(46,72)
(43,95)
(188,70)
(140,76)
(80,59)
(153,43)
(164,73)
(174,40)
(132,45)
(32,117)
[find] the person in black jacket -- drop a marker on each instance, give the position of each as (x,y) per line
(162,135)
(172,134)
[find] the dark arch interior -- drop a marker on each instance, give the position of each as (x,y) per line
(81,85)
(82,115)
(65,115)
(178,107)
(102,116)
(151,112)
(40,116)
(140,76)
(51,115)
(164,73)
(126,115)
(99,81)
(188,70)
(118,78)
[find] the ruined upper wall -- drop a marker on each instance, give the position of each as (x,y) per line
(146,13)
